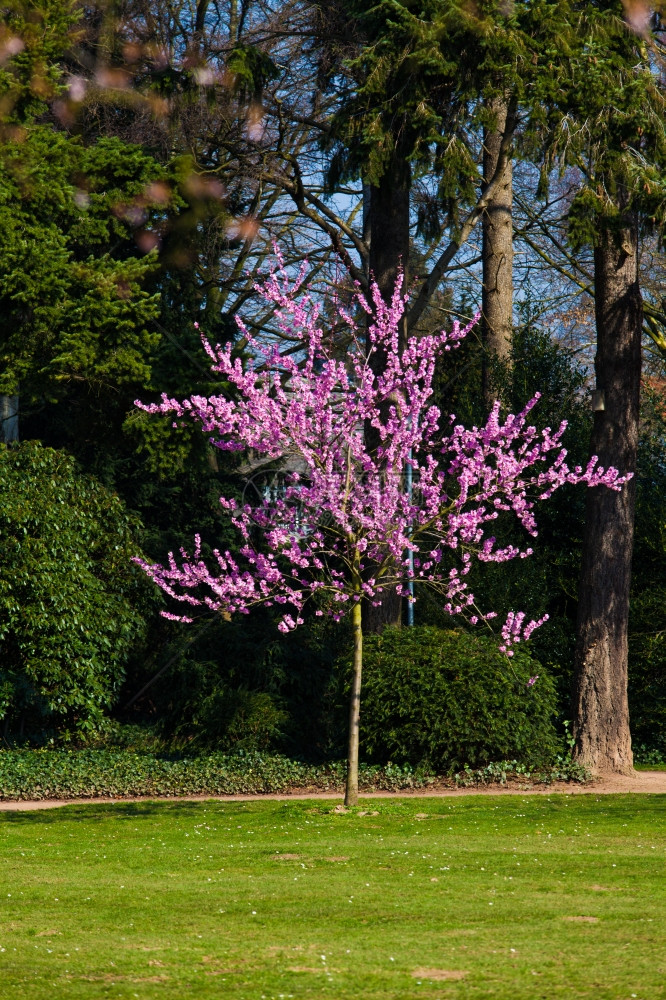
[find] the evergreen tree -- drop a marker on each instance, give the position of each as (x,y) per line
(609,124)
(77,314)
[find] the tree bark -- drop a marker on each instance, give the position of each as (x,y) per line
(9,417)
(497,251)
(351,793)
(388,233)
(600,706)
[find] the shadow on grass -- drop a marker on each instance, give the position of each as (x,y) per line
(103,811)
(411,810)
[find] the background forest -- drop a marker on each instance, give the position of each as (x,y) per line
(151,157)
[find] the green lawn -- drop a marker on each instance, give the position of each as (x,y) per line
(518,898)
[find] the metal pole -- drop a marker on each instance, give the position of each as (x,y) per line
(410,584)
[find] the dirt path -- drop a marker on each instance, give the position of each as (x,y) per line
(643,782)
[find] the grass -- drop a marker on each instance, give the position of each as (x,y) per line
(523,897)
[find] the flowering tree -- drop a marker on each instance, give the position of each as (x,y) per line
(344,529)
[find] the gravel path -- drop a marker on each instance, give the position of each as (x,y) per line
(643,782)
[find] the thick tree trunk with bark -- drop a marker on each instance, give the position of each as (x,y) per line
(497,251)
(351,793)
(388,225)
(600,707)
(389,232)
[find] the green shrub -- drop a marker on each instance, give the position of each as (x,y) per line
(70,598)
(243,684)
(445,699)
(236,719)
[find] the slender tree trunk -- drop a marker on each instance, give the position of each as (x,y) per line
(388,231)
(600,707)
(233,21)
(351,793)
(9,417)
(367,232)
(497,252)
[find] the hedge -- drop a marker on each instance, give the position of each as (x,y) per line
(444,699)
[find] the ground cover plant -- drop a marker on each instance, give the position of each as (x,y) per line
(72,774)
(519,897)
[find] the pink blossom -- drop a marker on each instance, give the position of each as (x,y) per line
(347,507)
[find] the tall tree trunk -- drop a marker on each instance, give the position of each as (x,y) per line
(497,252)
(351,793)
(388,225)
(9,417)
(600,706)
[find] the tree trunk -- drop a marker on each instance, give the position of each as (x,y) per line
(388,226)
(9,416)
(600,706)
(351,793)
(497,253)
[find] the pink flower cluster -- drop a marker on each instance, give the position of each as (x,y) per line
(344,526)
(514,630)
